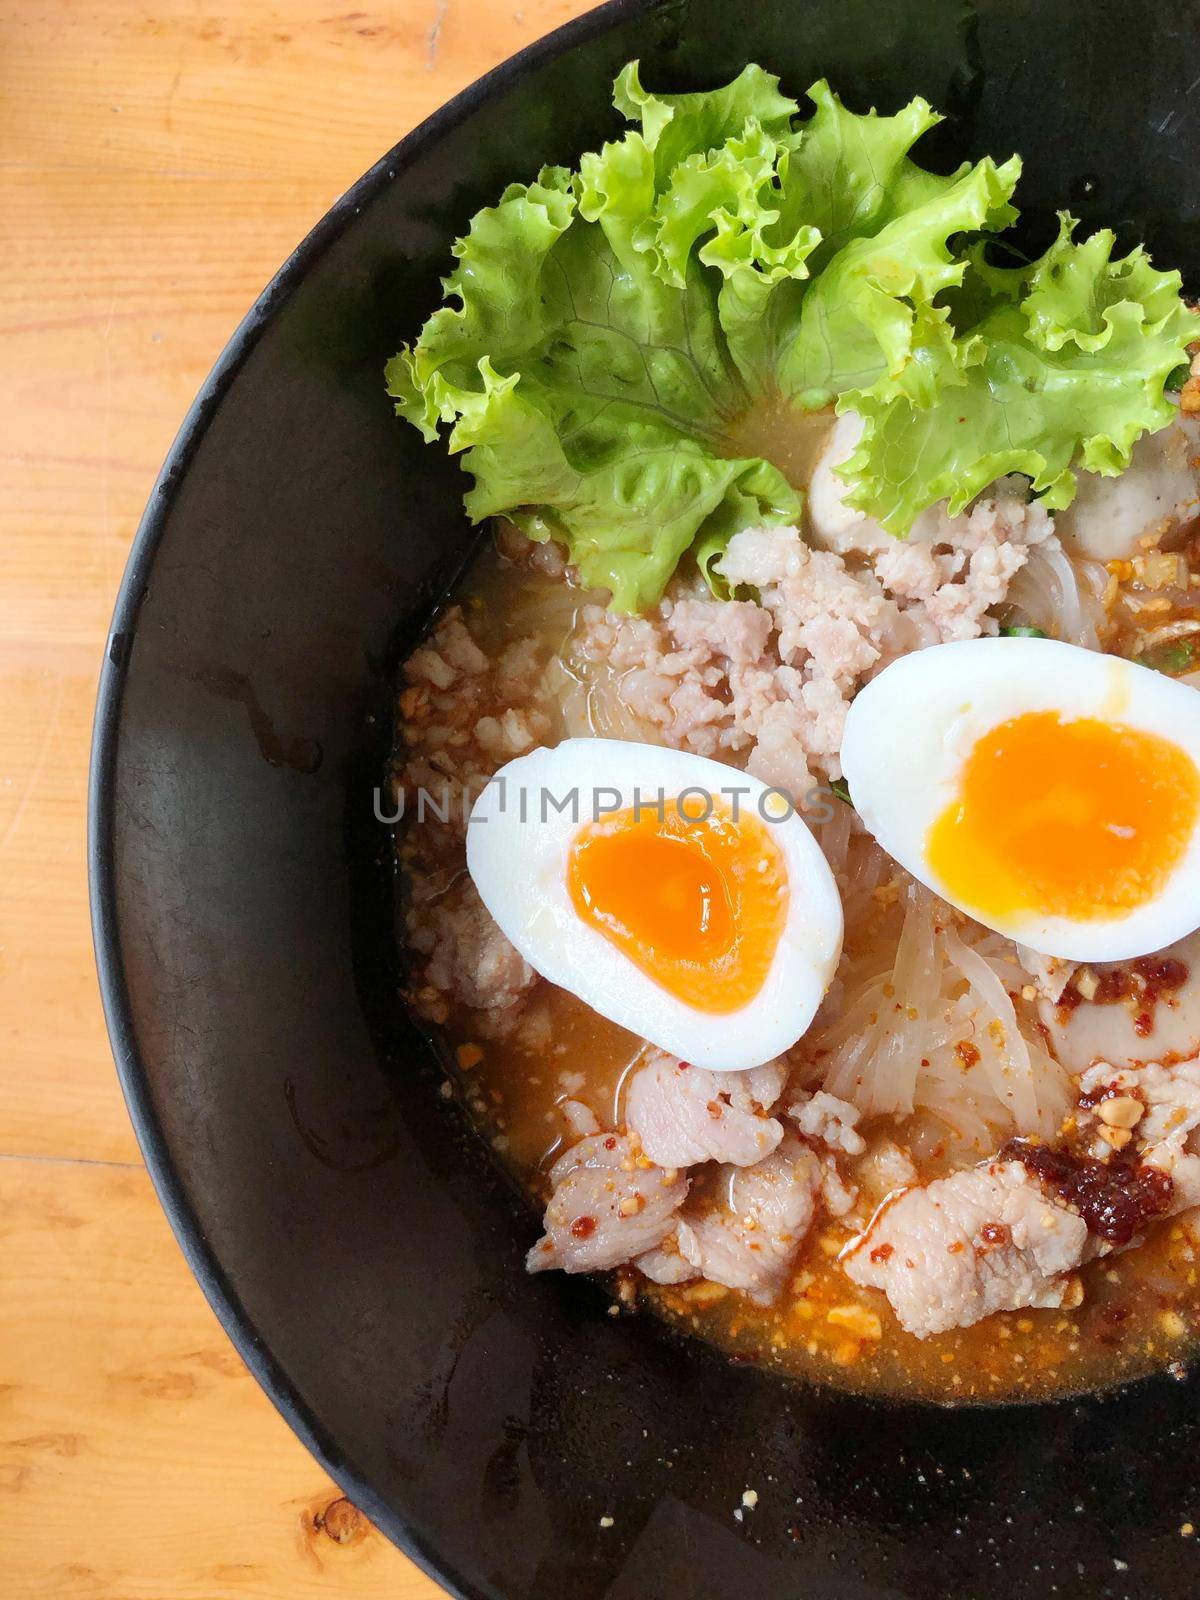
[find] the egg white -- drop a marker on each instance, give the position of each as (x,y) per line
(911,729)
(518,859)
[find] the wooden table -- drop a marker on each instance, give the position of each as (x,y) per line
(158,160)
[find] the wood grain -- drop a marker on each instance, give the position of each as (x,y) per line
(138,1457)
(158,160)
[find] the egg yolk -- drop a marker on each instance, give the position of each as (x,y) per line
(697,904)
(1078,819)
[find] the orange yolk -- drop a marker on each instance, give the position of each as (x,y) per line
(1078,819)
(697,905)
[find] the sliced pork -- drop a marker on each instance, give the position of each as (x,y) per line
(751,1238)
(607,1207)
(948,1253)
(838,1196)
(580,1119)
(1128,1012)
(885,1167)
(665,1265)
(684,1114)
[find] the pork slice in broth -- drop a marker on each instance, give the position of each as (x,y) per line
(665,1265)
(684,1115)
(989,1238)
(751,1238)
(605,1208)
(1146,1021)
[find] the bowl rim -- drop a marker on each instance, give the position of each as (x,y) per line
(403,1531)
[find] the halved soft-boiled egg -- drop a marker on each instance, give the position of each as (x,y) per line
(1050,792)
(676,896)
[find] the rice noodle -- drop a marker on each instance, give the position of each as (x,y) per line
(1060,594)
(877,1070)
(858,864)
(834,837)
(591,703)
(1009,1069)
(931,1027)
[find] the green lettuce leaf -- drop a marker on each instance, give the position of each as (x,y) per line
(847,175)
(1063,364)
(588,382)
(610,334)
(885,226)
(856,323)
(627,515)
(676,126)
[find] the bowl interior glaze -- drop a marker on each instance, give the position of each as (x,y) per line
(362,1250)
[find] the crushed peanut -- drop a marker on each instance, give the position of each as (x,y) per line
(705,1293)
(1118,1138)
(856,1319)
(1087,983)
(1123,1111)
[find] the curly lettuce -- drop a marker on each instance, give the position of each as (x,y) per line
(609,331)
(1059,365)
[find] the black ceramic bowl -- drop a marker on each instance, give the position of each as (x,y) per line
(362,1252)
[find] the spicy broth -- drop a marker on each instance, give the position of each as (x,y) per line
(1140,1311)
